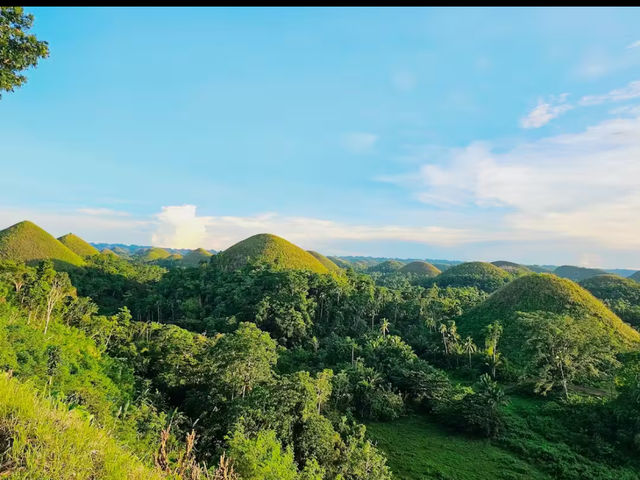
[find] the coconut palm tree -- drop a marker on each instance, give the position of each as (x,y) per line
(469,347)
(384,327)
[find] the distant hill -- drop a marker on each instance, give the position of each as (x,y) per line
(331,266)
(635,276)
(577,273)
(107,251)
(420,268)
(195,257)
(543,292)
(78,245)
(541,268)
(27,242)
(340,262)
(388,266)
(152,254)
(271,249)
(126,250)
(623,272)
(621,294)
(481,275)
(511,267)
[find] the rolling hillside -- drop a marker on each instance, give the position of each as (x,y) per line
(481,275)
(78,245)
(25,241)
(420,268)
(577,274)
(388,266)
(512,268)
(194,257)
(331,266)
(271,249)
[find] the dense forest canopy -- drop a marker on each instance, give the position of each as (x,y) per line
(267,370)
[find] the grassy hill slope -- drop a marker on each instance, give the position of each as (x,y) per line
(388,266)
(331,266)
(420,268)
(40,439)
(512,268)
(549,293)
(577,274)
(268,248)
(482,275)
(78,245)
(152,254)
(25,241)
(194,257)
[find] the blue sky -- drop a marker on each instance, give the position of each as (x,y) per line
(442,133)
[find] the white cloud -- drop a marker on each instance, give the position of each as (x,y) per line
(180,227)
(630,91)
(578,186)
(546,111)
(359,142)
(404,81)
(635,44)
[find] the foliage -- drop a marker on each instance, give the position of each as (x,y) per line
(484,276)
(19,50)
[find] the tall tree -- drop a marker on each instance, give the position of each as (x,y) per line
(19,50)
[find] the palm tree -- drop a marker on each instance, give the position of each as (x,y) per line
(444,331)
(384,327)
(469,347)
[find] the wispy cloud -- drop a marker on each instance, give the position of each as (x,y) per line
(628,92)
(359,142)
(635,44)
(579,186)
(545,111)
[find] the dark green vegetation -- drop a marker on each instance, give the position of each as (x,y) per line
(512,268)
(19,50)
(27,242)
(481,275)
(420,268)
(78,245)
(271,249)
(332,267)
(256,367)
(195,257)
(577,274)
(621,295)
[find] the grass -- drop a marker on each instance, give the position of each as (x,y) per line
(613,287)
(420,268)
(418,449)
(387,266)
(331,266)
(512,268)
(635,276)
(482,275)
(271,249)
(194,257)
(78,245)
(42,439)
(27,242)
(154,253)
(550,293)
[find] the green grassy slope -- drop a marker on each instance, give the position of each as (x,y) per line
(331,266)
(78,245)
(419,450)
(511,267)
(613,287)
(152,254)
(387,266)
(635,276)
(482,275)
(108,251)
(541,291)
(577,274)
(25,241)
(40,439)
(194,257)
(420,268)
(340,262)
(268,248)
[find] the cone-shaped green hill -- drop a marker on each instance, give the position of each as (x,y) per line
(271,249)
(331,266)
(577,274)
(482,275)
(195,257)
(152,254)
(388,266)
(78,245)
(512,268)
(544,292)
(421,268)
(27,242)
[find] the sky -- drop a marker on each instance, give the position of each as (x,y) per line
(462,133)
